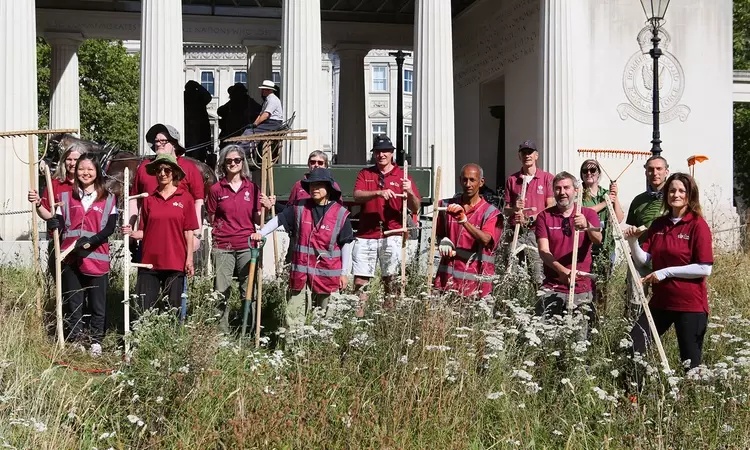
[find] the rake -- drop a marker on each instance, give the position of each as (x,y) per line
(621,154)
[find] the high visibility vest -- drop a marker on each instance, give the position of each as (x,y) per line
(469,272)
(316,261)
(80,223)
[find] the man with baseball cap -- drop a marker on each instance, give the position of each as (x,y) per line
(272,115)
(539,196)
(380,190)
(165,139)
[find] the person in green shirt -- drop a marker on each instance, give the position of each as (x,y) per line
(644,209)
(594,198)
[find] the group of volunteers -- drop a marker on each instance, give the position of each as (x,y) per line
(674,254)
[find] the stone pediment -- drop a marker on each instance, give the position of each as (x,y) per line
(379,114)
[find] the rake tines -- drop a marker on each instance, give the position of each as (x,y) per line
(622,154)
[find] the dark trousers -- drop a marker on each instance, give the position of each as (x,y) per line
(154,286)
(690,328)
(83,293)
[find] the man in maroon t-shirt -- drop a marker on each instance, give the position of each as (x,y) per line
(524,210)
(378,190)
(554,233)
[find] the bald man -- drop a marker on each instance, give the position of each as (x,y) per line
(467,233)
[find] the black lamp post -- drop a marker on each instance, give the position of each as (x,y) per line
(655,11)
(400,154)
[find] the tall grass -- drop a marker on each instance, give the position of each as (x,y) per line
(447,374)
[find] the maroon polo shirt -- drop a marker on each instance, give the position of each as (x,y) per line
(299,193)
(58,187)
(233,212)
(377,211)
(164,222)
(686,242)
(193,180)
(549,225)
(537,192)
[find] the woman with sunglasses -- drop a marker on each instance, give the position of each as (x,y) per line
(87,217)
(678,245)
(316,159)
(233,207)
(594,197)
(168,221)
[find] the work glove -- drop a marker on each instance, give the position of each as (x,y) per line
(446,248)
(84,243)
(53,224)
(457,212)
(252,126)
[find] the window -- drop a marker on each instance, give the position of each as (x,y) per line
(240,77)
(408,80)
(407,139)
(207,81)
(379,78)
(378,129)
(276,78)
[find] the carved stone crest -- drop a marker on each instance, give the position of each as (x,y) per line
(638,80)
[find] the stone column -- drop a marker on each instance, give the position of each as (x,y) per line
(557,143)
(259,66)
(301,74)
(18,111)
(162,78)
(64,108)
(352,126)
(433,90)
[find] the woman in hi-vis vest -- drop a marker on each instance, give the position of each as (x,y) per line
(86,219)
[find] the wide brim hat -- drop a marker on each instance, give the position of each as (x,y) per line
(167,130)
(165,158)
(267,84)
(322,175)
(237,89)
(382,142)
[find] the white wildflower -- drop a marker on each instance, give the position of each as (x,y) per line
(403,359)
(625,343)
(529,363)
(555,353)
(159,399)
(104,436)
(135,420)
(522,374)
(495,395)
(521,406)
(557,432)
(726,428)
(440,348)
(565,381)
(615,373)
(184,369)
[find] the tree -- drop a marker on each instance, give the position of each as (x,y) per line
(741,50)
(109,80)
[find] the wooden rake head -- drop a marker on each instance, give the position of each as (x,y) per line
(632,155)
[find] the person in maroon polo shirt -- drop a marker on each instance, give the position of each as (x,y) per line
(678,245)
(63,180)
(233,208)
(376,190)
(168,219)
(539,195)
(165,139)
(554,233)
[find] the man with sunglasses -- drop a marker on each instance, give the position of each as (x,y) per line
(317,159)
(554,233)
(379,191)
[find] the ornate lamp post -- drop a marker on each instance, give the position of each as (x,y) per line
(655,11)
(400,153)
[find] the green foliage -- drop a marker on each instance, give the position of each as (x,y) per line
(109,80)
(741,50)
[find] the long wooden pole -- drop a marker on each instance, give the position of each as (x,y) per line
(126,260)
(517,228)
(574,262)
(433,232)
(267,149)
(35,225)
(58,266)
(405,238)
(263,181)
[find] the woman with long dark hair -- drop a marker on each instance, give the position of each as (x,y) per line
(168,220)
(87,217)
(678,245)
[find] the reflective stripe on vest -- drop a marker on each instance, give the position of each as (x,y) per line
(311,251)
(458,273)
(315,271)
(105,214)
(300,209)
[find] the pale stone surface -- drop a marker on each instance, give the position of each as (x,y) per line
(162,77)
(300,72)
(64,108)
(259,68)
(352,126)
(18,111)
(433,84)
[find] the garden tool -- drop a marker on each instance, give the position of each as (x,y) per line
(254,252)
(446,245)
(576,235)
(435,212)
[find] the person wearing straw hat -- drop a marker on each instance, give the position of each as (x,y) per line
(555,228)
(603,254)
(168,220)
(165,139)
(87,217)
(271,115)
(380,190)
(473,226)
(322,251)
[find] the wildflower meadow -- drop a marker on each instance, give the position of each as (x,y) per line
(430,373)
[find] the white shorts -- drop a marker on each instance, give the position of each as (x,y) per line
(367,253)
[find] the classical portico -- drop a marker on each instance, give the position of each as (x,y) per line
(488,74)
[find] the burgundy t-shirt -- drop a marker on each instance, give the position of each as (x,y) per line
(193,180)
(537,192)
(58,187)
(376,211)
(686,242)
(234,213)
(549,225)
(164,223)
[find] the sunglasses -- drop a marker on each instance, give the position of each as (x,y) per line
(566,228)
(236,161)
(589,170)
(316,162)
(161,141)
(166,170)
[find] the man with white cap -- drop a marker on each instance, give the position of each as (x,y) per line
(272,115)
